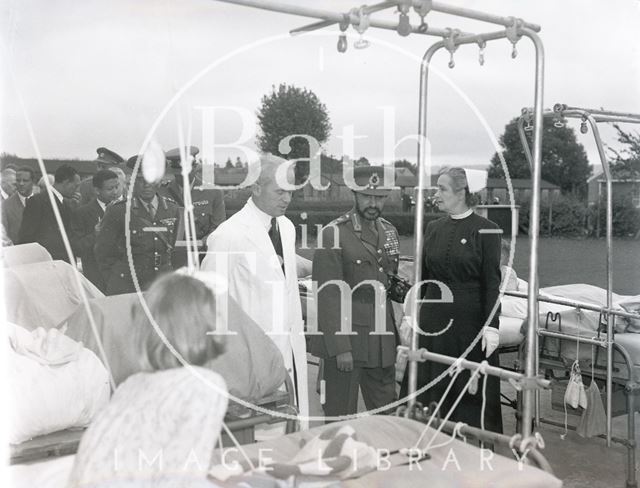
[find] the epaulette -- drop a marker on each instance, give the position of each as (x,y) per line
(386,224)
(120,199)
(165,182)
(340,220)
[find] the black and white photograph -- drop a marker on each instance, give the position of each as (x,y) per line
(316,243)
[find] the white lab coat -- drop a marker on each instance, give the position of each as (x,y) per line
(256,281)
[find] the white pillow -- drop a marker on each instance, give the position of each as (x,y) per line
(46,398)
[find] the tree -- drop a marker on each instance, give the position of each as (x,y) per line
(626,162)
(228,164)
(564,160)
(239,164)
(290,110)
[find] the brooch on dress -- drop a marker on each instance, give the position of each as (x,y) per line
(463,240)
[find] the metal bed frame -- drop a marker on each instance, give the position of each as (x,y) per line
(591,118)
(511,28)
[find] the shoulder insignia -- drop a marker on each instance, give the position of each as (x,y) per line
(387,225)
(340,220)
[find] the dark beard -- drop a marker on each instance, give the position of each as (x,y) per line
(369,213)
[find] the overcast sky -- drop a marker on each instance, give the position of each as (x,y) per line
(98,73)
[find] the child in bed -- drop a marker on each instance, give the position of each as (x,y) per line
(161,426)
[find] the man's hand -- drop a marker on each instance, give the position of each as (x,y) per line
(345,362)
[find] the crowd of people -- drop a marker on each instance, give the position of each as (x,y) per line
(255,252)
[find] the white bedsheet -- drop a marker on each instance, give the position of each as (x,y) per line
(453,465)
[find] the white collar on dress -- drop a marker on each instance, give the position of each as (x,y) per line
(463,215)
(265,218)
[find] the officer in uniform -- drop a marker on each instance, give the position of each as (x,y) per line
(356,247)
(153,224)
(208,204)
(106,159)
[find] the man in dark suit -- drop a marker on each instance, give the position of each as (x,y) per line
(208,204)
(106,159)
(359,250)
(152,232)
(39,223)
(13,207)
(7,182)
(86,219)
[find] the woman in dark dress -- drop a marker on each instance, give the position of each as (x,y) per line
(459,253)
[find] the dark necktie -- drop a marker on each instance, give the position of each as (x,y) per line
(151,209)
(274,235)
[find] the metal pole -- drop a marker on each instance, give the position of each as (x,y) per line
(336,17)
(576,304)
(607,175)
(524,142)
(424,180)
(475,14)
(559,107)
(506,374)
(531,399)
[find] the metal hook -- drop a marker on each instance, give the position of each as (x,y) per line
(450,44)
(513,34)
(481,44)
(361,43)
(404,26)
(583,126)
(452,63)
(342,43)
(558,123)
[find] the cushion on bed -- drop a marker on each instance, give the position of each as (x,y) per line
(252,365)
(63,389)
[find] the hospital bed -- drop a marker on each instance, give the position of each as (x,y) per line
(252,368)
(455,464)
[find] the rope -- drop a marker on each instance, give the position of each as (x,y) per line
(456,372)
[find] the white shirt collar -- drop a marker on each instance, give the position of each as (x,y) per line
(102,204)
(57,194)
(463,215)
(24,199)
(4,194)
(265,218)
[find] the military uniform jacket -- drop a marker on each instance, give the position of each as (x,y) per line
(208,207)
(351,252)
(152,240)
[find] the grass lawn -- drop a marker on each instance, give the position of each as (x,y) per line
(563,261)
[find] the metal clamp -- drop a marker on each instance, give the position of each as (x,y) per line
(513,34)
(482,44)
(450,44)
(360,19)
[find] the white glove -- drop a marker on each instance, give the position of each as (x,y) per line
(490,340)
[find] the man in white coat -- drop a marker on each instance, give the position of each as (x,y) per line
(255,251)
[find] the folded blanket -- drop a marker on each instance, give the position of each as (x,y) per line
(334,454)
(48,347)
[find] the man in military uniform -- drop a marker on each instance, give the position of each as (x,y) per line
(208,204)
(357,247)
(106,159)
(153,224)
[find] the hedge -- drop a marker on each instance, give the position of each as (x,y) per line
(568,217)
(626,217)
